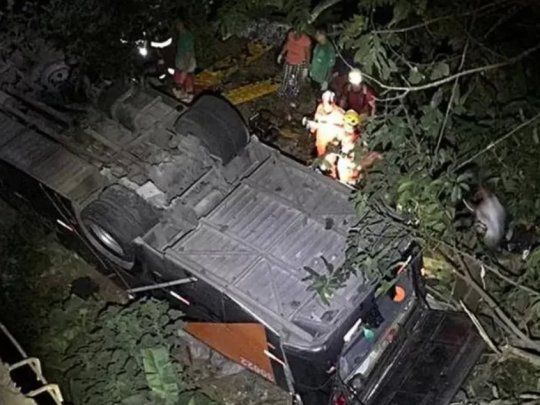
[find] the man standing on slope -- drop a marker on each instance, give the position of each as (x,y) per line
(296,51)
(324,59)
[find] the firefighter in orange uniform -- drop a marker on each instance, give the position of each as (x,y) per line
(347,169)
(351,131)
(354,157)
(352,168)
(327,124)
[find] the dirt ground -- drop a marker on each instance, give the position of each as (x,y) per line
(286,114)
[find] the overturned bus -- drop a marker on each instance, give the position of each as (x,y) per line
(186,200)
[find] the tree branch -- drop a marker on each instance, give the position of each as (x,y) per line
(505,17)
(467,72)
(469,256)
(398,97)
(490,268)
(448,302)
(442,18)
(522,354)
(480,328)
(451,100)
(502,138)
(319,8)
(494,306)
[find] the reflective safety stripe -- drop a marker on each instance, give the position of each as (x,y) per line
(179,297)
(63,224)
(273,357)
(162,44)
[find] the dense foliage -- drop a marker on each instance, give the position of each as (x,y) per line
(235,17)
(459,104)
(99,353)
(441,131)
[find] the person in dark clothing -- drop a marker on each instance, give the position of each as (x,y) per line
(356,95)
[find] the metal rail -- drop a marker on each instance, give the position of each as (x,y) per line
(162,285)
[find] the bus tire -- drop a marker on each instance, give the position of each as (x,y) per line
(218,125)
(114,220)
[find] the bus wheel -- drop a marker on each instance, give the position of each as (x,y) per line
(114,220)
(217,124)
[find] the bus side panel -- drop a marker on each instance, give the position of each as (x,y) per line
(313,378)
(218,321)
(21,190)
(314,372)
(235,313)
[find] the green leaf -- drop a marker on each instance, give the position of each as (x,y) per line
(401,10)
(415,76)
(420,6)
(456,194)
(464,177)
(137,399)
(440,70)
(405,185)
(160,373)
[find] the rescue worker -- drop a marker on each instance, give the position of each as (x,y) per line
(329,164)
(327,124)
(164,54)
(185,63)
(347,168)
(351,131)
(356,95)
(354,157)
(297,52)
(350,166)
(323,61)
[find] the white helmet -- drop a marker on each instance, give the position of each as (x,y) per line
(328,96)
(355,77)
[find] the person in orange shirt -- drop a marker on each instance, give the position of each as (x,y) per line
(327,124)
(297,53)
